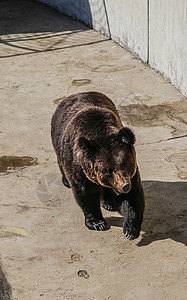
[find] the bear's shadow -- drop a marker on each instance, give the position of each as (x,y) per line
(164,217)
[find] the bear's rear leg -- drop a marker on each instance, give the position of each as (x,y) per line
(108,201)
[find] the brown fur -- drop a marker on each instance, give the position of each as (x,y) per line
(96,156)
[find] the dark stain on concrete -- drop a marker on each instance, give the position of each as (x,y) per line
(5,289)
(10,163)
(155,115)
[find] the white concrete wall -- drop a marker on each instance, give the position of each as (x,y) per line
(168,40)
(155,30)
(125,21)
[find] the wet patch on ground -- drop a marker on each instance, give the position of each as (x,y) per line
(155,115)
(9,164)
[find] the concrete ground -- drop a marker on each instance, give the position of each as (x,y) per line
(46,251)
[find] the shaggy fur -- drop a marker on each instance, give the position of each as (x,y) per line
(97,160)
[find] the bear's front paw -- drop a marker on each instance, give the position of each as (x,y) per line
(130,232)
(95,224)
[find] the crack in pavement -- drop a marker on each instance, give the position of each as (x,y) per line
(160,141)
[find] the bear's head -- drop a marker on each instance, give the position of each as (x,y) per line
(110,161)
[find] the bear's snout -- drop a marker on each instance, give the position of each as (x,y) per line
(122,189)
(121,183)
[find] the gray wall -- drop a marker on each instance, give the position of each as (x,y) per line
(168,40)
(155,30)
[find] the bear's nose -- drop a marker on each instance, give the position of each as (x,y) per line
(126,186)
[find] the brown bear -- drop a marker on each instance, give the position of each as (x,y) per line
(97,160)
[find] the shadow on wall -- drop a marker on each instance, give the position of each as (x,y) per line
(79,10)
(5,289)
(165,212)
(32,17)
(28,27)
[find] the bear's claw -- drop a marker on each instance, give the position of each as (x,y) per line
(131,234)
(99,226)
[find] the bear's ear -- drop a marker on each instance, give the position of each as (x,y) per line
(87,146)
(126,135)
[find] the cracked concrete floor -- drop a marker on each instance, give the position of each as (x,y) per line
(46,251)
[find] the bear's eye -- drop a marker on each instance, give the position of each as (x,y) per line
(107,172)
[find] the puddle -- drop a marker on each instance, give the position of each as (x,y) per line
(6,231)
(80,82)
(144,116)
(10,163)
